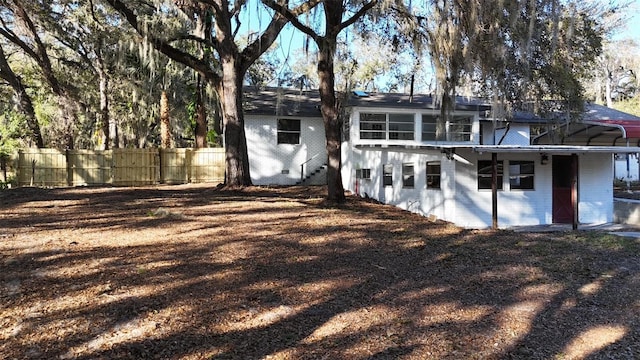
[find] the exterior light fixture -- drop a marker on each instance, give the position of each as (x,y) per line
(544,159)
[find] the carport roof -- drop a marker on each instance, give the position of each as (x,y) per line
(600,125)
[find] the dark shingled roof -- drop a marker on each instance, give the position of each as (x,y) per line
(292,102)
(306,103)
(281,102)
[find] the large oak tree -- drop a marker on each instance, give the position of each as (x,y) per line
(223,64)
(338,15)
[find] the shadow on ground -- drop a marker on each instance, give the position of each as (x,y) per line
(198,273)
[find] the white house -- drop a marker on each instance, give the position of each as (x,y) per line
(390,154)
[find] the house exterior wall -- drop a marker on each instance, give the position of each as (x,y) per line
(517,134)
(596,179)
(417,199)
(515,207)
(272,163)
(354,130)
(459,200)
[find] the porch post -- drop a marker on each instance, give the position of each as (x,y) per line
(494,191)
(574,189)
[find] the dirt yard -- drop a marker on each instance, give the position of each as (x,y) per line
(192,272)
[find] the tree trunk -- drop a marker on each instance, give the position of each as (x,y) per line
(332,122)
(165,122)
(67,115)
(608,89)
(236,155)
(201,116)
(104,108)
(23,100)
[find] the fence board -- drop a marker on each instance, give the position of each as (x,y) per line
(207,165)
(121,167)
(42,167)
(90,167)
(174,167)
(134,167)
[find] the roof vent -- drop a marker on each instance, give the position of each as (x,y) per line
(360,93)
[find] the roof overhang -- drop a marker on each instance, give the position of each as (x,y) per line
(555,149)
(546,149)
(629,128)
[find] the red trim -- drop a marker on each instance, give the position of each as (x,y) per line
(631,127)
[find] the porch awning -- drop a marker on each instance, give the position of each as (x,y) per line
(630,129)
(599,125)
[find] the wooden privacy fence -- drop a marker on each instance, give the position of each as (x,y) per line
(119,167)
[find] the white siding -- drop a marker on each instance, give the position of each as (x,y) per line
(268,159)
(459,200)
(515,206)
(518,134)
(595,188)
(418,199)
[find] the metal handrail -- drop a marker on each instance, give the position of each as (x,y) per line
(302,166)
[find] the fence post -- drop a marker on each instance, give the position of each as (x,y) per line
(69,168)
(160,164)
(188,163)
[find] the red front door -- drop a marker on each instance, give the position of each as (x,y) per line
(562,178)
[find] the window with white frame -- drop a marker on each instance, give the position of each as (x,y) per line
(484,174)
(408,175)
(288,131)
(434,174)
(387,175)
(521,175)
(387,126)
(401,126)
(373,126)
(458,128)
(429,123)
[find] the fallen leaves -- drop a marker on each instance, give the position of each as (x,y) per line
(192,272)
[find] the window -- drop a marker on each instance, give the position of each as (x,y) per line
(521,175)
(387,175)
(429,127)
(363,174)
(484,174)
(288,131)
(373,126)
(401,126)
(433,174)
(408,176)
(457,129)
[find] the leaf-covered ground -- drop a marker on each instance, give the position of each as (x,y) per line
(192,272)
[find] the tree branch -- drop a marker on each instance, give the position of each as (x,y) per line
(161,45)
(11,36)
(260,45)
(366,7)
(293,16)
